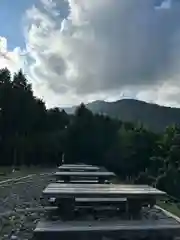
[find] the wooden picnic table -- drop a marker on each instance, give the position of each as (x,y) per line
(67,176)
(102,190)
(76,168)
(136,196)
(74,165)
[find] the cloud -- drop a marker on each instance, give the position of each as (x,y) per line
(83,50)
(102,46)
(14,59)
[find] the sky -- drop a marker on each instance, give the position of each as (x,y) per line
(76,51)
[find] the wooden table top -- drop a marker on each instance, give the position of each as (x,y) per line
(101,190)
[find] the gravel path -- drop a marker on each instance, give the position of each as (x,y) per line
(20,206)
(12,180)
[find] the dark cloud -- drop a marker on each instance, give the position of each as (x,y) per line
(108,45)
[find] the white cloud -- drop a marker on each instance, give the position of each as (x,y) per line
(167,95)
(104,48)
(14,59)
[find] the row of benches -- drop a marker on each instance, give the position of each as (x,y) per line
(63,199)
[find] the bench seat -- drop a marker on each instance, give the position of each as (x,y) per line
(100,200)
(114,228)
(81,181)
(92,201)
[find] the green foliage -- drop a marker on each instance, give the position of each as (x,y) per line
(32,134)
(154,117)
(29,133)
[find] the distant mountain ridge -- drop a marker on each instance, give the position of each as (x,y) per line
(153,116)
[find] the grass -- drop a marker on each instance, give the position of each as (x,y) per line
(173,208)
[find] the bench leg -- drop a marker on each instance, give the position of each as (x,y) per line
(152,202)
(134,208)
(67,179)
(101,180)
(66,208)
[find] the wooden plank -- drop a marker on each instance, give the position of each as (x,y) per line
(121,186)
(100,200)
(84,174)
(56,230)
(95,200)
(78,168)
(92,201)
(83,181)
(74,165)
(77,164)
(91,175)
(102,190)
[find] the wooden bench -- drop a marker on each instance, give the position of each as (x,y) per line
(68,176)
(137,196)
(132,207)
(89,206)
(94,201)
(114,228)
(85,181)
(79,168)
(100,201)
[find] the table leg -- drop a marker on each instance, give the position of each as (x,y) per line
(66,208)
(67,179)
(152,202)
(134,208)
(101,180)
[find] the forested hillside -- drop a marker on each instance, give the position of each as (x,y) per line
(153,116)
(32,134)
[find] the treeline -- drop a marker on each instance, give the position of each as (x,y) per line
(32,134)
(29,133)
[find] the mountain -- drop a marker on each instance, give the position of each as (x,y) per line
(153,116)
